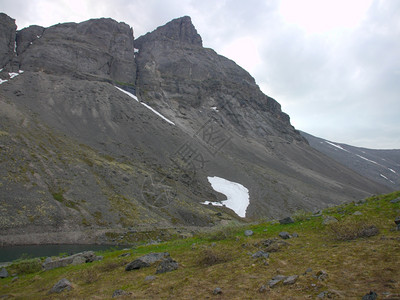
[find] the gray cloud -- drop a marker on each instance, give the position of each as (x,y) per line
(343,87)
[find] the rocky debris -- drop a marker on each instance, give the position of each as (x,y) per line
(248,233)
(60,286)
(217,291)
(321,275)
(370,296)
(146,260)
(397,220)
(284,235)
(271,245)
(287,220)
(260,254)
(167,265)
(79,258)
(119,292)
(290,280)
(397,200)
(329,220)
(276,280)
(3,273)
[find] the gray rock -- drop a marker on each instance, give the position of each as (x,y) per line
(370,296)
(397,220)
(150,278)
(7,38)
(329,220)
(357,213)
(290,280)
(84,257)
(321,295)
(124,254)
(287,220)
(276,280)
(119,292)
(262,289)
(217,291)
(3,273)
(295,235)
(78,260)
(248,233)
(284,235)
(60,286)
(48,260)
(322,275)
(397,200)
(167,265)
(146,261)
(260,254)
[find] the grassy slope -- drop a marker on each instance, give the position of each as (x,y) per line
(354,267)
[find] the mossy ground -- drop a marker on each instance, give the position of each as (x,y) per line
(222,259)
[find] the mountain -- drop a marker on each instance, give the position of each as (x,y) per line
(108,138)
(382,166)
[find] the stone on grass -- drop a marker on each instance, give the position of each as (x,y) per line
(329,220)
(290,280)
(120,292)
(146,261)
(370,296)
(322,275)
(395,200)
(3,273)
(60,286)
(150,278)
(287,220)
(295,235)
(357,213)
(397,220)
(262,289)
(276,280)
(78,260)
(248,233)
(167,265)
(217,291)
(284,235)
(260,254)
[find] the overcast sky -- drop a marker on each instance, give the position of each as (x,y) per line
(333,65)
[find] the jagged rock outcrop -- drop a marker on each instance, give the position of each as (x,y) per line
(7,39)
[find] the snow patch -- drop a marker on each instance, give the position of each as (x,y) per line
(374,162)
(2,81)
(135,50)
(383,176)
(214,108)
(38,36)
(392,170)
(237,195)
(12,75)
(1,70)
(15,47)
(146,105)
(337,146)
(129,94)
(20,71)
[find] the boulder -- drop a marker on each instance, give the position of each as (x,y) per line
(284,235)
(260,254)
(329,220)
(248,233)
(217,291)
(395,200)
(167,265)
(60,286)
(120,292)
(146,261)
(370,296)
(3,273)
(397,220)
(290,280)
(276,280)
(79,258)
(287,220)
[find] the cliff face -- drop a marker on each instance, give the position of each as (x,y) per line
(82,161)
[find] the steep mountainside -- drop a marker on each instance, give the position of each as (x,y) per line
(82,159)
(382,166)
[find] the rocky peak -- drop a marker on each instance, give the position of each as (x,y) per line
(7,39)
(178,30)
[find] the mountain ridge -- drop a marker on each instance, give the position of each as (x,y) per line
(83,161)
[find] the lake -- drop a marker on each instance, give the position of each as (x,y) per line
(10,253)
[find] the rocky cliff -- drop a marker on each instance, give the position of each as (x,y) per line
(104,137)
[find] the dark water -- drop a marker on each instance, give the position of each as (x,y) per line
(15,252)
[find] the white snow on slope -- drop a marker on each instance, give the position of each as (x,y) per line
(2,81)
(237,195)
(337,146)
(392,170)
(146,105)
(12,75)
(374,162)
(383,176)
(129,94)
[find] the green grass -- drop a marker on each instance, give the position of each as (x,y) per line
(222,258)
